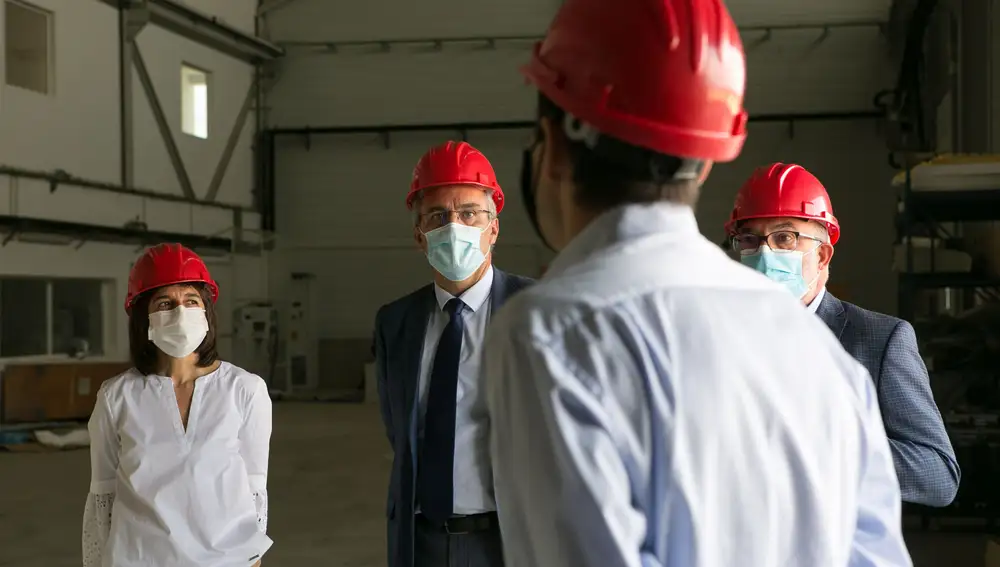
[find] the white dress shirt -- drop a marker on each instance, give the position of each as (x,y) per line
(655,404)
(814,304)
(179,498)
(473,475)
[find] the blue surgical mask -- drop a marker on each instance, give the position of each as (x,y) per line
(784,267)
(454,250)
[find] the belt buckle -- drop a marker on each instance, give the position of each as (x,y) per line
(449,531)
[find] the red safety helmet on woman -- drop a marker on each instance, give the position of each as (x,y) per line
(454,163)
(784,190)
(666,75)
(167,264)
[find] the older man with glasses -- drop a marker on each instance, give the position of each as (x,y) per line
(783,226)
(441,508)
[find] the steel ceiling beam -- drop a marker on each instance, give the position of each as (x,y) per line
(202,28)
(162,124)
(268,6)
(235,133)
(56,178)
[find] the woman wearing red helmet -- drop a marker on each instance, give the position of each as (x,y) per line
(179,443)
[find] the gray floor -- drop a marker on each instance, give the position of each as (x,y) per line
(329,465)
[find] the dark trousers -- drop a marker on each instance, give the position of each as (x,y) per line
(433,546)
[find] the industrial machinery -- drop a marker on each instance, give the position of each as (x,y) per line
(255,339)
(301,355)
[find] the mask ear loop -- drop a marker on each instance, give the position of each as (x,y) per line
(810,285)
(579,131)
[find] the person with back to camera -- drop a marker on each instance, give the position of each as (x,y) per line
(179,443)
(651,402)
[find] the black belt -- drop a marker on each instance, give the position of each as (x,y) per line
(459,525)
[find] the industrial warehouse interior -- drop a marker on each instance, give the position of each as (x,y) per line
(278,138)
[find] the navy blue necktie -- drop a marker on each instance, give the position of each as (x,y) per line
(435,485)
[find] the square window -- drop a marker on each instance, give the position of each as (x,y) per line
(24,317)
(77,317)
(28,49)
(194,102)
(41,316)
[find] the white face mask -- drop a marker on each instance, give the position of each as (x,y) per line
(178,332)
(454,250)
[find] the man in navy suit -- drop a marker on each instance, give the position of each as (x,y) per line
(441,510)
(783,226)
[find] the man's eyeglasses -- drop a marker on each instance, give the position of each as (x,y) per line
(749,243)
(469,217)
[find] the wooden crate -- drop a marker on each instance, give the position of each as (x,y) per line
(53,391)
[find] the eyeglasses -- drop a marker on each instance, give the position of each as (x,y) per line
(749,243)
(468,217)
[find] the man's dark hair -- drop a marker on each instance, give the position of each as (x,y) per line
(614,173)
(146,355)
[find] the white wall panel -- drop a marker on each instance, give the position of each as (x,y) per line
(230,79)
(791,72)
(76,128)
(342,213)
(340,204)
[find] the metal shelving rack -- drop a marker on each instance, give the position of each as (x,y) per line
(929,211)
(940,215)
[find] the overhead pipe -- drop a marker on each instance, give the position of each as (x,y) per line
(463,127)
(15,225)
(268,137)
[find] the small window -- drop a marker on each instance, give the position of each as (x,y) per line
(194,102)
(51,316)
(77,317)
(28,46)
(24,305)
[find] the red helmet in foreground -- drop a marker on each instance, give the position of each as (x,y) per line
(665,75)
(167,264)
(454,163)
(784,190)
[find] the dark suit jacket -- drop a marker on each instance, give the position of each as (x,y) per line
(921,450)
(399,340)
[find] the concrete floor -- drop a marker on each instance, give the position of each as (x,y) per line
(329,471)
(327,482)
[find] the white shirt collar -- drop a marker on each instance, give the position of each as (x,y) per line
(814,305)
(475,297)
(623,225)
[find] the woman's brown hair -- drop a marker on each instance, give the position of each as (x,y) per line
(146,355)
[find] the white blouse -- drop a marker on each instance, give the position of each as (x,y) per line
(160,495)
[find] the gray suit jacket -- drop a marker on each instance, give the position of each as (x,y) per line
(400,327)
(921,450)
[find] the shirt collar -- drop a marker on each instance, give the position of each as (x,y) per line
(814,304)
(625,224)
(474,297)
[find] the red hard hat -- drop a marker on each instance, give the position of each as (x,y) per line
(784,190)
(454,163)
(666,75)
(167,264)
